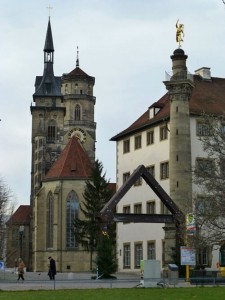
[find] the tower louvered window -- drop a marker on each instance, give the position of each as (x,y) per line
(77,113)
(51,134)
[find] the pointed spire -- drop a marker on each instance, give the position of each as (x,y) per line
(49,40)
(77,61)
(48,84)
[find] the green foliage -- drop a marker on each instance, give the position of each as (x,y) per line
(106,253)
(88,230)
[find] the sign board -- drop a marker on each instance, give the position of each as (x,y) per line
(190,224)
(2,266)
(187,256)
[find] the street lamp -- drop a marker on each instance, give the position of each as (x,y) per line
(21,231)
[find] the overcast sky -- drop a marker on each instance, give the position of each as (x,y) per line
(125,44)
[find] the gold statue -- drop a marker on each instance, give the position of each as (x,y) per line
(179,33)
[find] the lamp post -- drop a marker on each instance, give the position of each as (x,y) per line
(21,231)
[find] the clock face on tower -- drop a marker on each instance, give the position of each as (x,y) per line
(79,133)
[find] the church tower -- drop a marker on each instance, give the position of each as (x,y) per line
(47,118)
(63,152)
(64,107)
(79,102)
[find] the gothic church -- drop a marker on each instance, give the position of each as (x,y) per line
(63,150)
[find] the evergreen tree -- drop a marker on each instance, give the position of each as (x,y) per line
(88,230)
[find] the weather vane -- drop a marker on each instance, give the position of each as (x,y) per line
(49,9)
(179,33)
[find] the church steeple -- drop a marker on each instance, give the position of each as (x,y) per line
(48,84)
(49,48)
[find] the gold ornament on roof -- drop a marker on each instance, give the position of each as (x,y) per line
(179,33)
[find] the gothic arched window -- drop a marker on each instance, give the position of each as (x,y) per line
(77,113)
(72,206)
(50,218)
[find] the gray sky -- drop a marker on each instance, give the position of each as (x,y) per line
(125,44)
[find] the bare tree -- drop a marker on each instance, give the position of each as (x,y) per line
(209,176)
(7,205)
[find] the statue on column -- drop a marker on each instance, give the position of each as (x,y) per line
(179,33)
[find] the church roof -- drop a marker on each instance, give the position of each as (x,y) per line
(207,96)
(21,216)
(73,163)
(79,74)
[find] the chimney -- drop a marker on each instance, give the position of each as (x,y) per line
(204,72)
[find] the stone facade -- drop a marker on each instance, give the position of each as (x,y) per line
(62,109)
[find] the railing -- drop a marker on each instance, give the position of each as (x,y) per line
(184,75)
(37,281)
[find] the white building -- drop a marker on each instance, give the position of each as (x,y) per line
(164,139)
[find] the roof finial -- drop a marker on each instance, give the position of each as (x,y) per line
(77,61)
(49,10)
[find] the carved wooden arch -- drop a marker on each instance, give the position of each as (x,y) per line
(107,214)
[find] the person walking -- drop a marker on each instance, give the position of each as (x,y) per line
(52,268)
(21,267)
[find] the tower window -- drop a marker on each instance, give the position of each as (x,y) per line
(77,113)
(51,133)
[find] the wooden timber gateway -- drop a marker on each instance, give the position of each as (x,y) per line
(108,213)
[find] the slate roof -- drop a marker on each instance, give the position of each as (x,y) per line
(73,163)
(49,40)
(21,215)
(208,96)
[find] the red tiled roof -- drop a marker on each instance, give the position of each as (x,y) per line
(21,215)
(78,72)
(73,163)
(208,96)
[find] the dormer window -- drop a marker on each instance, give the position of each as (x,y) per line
(154,109)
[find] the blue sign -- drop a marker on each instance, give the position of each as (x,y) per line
(2,265)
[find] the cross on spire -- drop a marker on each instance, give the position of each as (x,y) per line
(49,9)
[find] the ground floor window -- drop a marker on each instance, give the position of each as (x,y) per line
(203,256)
(151,250)
(126,256)
(138,252)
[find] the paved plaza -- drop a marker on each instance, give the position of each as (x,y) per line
(40,281)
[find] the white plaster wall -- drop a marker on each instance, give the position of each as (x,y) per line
(140,232)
